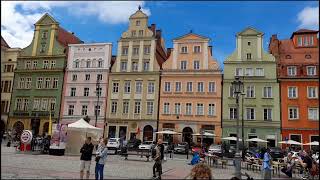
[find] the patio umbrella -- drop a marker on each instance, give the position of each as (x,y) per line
(256,140)
(167,132)
(313,143)
(290,142)
(204,134)
(231,138)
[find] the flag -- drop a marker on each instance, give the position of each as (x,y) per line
(138,130)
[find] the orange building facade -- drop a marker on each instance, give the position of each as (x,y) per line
(190,91)
(298,74)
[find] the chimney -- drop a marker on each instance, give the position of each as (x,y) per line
(153,28)
(72,32)
(158,33)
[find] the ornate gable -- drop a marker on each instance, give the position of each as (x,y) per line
(249,31)
(46,19)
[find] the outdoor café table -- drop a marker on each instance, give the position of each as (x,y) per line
(277,166)
(211,157)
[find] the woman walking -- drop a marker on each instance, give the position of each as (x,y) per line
(101,159)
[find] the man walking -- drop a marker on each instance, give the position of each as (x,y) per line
(157,159)
(86,156)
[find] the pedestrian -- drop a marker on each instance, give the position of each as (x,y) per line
(201,171)
(86,156)
(157,159)
(306,163)
(101,159)
(289,161)
(266,166)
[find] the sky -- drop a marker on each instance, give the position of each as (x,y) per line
(105,21)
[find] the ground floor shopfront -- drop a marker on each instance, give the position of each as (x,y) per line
(301,135)
(38,126)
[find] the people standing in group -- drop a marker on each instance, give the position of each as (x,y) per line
(86,157)
(158,159)
(266,165)
(289,161)
(101,157)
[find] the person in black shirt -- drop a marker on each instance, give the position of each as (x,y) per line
(306,163)
(86,156)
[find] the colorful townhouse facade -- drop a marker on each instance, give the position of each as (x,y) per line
(298,74)
(39,77)
(190,93)
(8,64)
(259,104)
(133,92)
(86,82)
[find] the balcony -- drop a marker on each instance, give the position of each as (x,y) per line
(20,113)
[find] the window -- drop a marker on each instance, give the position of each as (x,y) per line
(188,109)
(196,65)
(44,35)
(55,83)
(28,65)
(196,49)
(34,64)
(77,64)
(212,87)
(22,83)
(135,50)
(88,63)
(6,87)
(53,64)
(200,109)
(47,83)
(114,106)
(177,108)
(125,108)
(267,114)
(167,87)
(146,50)
(138,87)
(45,64)
(133,33)
(200,87)
(84,110)
(299,41)
(134,66)
(259,72)
(125,51)
(74,77)
(123,66)
(73,92)
(97,110)
(44,104)
(140,32)
(249,43)
(178,86)
(19,104)
(293,113)
(249,72)
(36,104)
(70,110)
(312,92)
(86,92)
(99,91)
(149,108)
(99,77)
(249,56)
(311,40)
(183,65)
(100,64)
(292,92)
(288,57)
(189,86)
(146,65)
(184,49)
(53,104)
(238,72)
(137,23)
(305,41)
(250,92)
(150,87)
(115,88)
(137,107)
(8,68)
(127,87)
(250,113)
(292,71)
(231,92)
(39,83)
(267,92)
(311,70)
(25,104)
(313,113)
(211,110)
(166,108)
(43,48)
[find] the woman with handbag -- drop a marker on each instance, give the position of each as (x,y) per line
(101,159)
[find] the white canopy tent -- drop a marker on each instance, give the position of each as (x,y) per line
(231,138)
(167,132)
(313,143)
(290,142)
(205,134)
(256,140)
(77,133)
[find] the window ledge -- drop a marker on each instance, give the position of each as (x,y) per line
(312,97)
(267,98)
(212,116)
(199,115)
(315,120)
(291,98)
(188,115)
(177,92)
(167,92)
(294,119)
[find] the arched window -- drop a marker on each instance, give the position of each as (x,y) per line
(100,63)
(88,63)
(76,63)
(147,133)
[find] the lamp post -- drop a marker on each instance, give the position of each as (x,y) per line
(98,93)
(237,87)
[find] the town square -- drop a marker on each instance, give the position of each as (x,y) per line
(159,90)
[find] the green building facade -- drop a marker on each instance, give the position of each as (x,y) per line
(259,104)
(38,80)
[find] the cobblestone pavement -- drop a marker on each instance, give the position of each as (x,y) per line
(18,165)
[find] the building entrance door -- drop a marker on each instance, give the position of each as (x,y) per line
(35,125)
(123,132)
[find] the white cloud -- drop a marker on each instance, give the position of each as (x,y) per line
(18,17)
(309,18)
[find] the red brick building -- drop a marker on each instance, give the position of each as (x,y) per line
(298,74)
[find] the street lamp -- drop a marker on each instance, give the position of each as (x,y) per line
(237,87)
(98,93)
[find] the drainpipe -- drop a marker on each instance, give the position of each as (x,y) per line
(158,112)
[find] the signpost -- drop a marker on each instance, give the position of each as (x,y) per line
(26,138)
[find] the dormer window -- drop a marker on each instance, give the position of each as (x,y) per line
(248,55)
(305,41)
(288,57)
(299,41)
(311,41)
(137,23)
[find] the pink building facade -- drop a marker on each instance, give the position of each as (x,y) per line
(86,82)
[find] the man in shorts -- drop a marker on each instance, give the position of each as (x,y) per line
(86,156)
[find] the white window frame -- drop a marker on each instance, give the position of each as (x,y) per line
(167,87)
(296,92)
(36,103)
(183,65)
(86,91)
(196,65)
(184,49)
(177,108)
(212,87)
(200,89)
(137,109)
(315,92)
(247,72)
(238,72)
(261,74)
(125,107)
(200,109)
(194,49)
(71,92)
(188,109)
(115,87)
(138,87)
(114,107)
(252,92)
(316,117)
(166,108)
(127,87)
(134,66)
(314,71)
(254,113)
(264,92)
(178,86)
(150,107)
(269,118)
(211,109)
(123,66)
(151,87)
(293,118)
(189,88)
(70,109)
(292,70)
(233,114)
